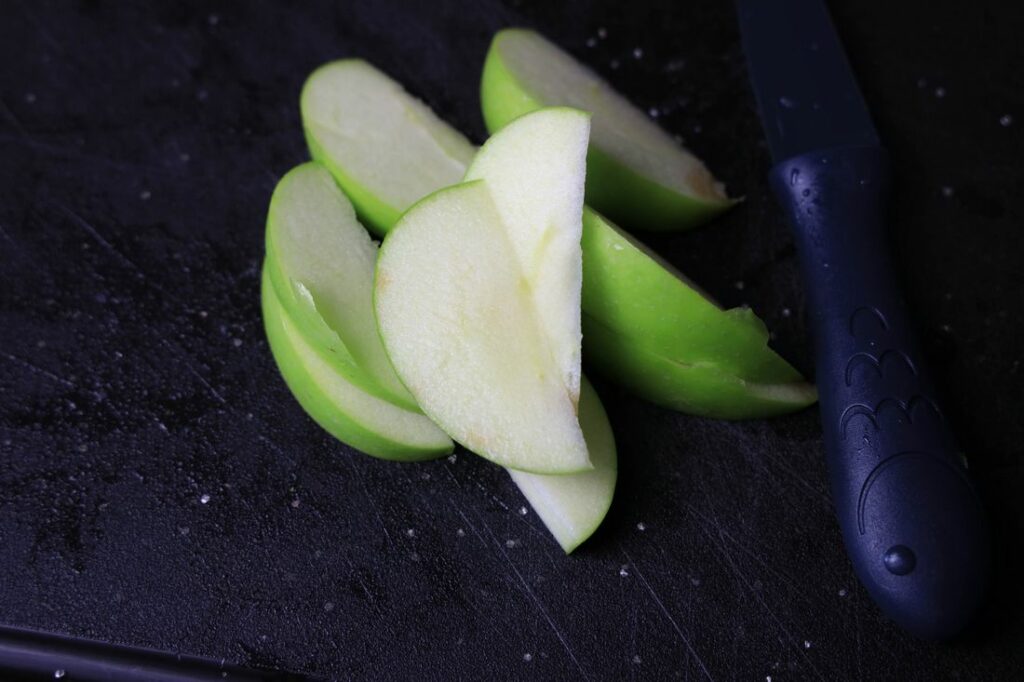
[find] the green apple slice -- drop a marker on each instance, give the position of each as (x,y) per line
(321,261)
(363,126)
(457,317)
(350,414)
(637,173)
(572,507)
(649,327)
(624,287)
(534,170)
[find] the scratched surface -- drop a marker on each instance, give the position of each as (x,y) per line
(159,487)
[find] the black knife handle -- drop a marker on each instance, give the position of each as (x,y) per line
(911,520)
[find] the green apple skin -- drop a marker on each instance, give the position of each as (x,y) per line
(613,188)
(572,507)
(694,389)
(375,435)
(648,329)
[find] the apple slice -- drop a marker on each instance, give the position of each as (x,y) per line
(343,409)
(624,286)
(321,262)
(637,174)
(572,507)
(363,126)
(534,170)
(457,317)
(652,330)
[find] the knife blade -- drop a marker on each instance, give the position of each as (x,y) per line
(911,520)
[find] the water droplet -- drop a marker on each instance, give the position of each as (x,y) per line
(415,556)
(641,526)
(695,582)
(947,192)
(236,342)
(940,92)
(638,53)
(618,247)
(842,593)
(1006,120)
(30,97)
(460,533)
(807,644)
(786,312)
(410,532)
(602,32)
(527,657)
(510,543)
(767,678)
(328,606)
(296,503)
(59,673)
(83,448)
(637,660)
(145,195)
(624,572)
(794,177)
(523,511)
(204,498)
(740,285)
(653,112)
(452,459)
(184,530)
(787,103)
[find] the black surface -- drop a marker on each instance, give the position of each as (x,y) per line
(138,149)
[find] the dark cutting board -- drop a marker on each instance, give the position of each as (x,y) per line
(159,487)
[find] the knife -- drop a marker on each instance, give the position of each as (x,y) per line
(911,520)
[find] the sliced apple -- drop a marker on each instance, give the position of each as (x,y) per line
(625,287)
(321,261)
(534,171)
(457,317)
(363,126)
(652,330)
(637,173)
(346,411)
(572,507)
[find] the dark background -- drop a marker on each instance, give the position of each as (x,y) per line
(139,144)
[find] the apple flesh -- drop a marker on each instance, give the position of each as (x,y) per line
(637,174)
(534,170)
(363,126)
(572,507)
(321,261)
(625,290)
(458,320)
(346,411)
